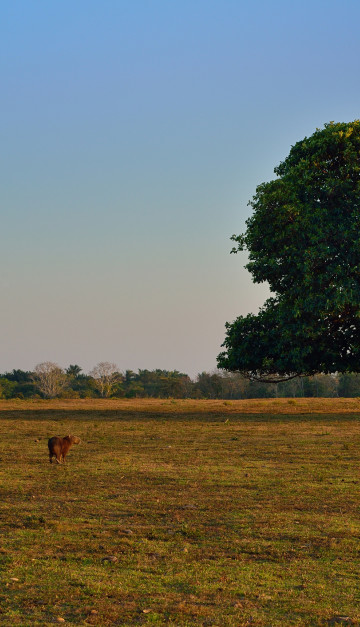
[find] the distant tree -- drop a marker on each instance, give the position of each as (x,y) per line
(131,385)
(209,385)
(175,384)
(259,389)
(20,376)
(326,385)
(7,388)
(129,377)
(303,239)
(105,375)
(233,385)
(23,384)
(294,388)
(73,371)
(349,385)
(49,378)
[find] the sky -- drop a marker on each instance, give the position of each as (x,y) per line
(133,134)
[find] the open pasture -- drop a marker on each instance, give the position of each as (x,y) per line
(181,513)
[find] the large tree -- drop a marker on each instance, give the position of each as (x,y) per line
(303,238)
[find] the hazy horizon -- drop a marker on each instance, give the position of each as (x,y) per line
(133,136)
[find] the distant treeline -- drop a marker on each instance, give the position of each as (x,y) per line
(48,380)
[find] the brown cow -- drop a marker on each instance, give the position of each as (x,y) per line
(58,447)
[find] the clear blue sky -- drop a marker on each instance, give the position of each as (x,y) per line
(133,133)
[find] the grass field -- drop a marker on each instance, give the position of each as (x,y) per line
(181,513)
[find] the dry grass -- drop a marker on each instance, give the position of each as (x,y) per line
(212,517)
(191,406)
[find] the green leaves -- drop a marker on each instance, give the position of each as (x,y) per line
(304,240)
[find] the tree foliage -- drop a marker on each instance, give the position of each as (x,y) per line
(303,238)
(105,375)
(172,384)
(49,378)
(73,371)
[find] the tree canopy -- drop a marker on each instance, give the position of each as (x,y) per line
(303,238)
